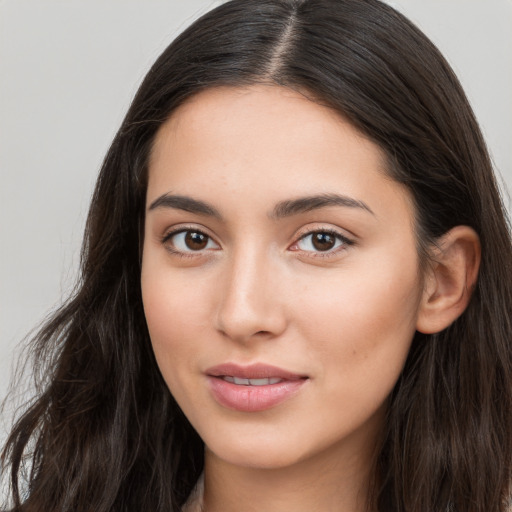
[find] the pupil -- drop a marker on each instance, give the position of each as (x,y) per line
(196,241)
(323,241)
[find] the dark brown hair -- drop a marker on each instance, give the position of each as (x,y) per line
(105,434)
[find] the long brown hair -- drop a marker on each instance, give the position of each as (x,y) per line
(105,434)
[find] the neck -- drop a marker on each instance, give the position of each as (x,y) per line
(322,483)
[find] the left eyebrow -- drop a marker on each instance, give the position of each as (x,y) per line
(309,203)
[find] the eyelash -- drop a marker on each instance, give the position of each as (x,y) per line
(345,242)
(184,229)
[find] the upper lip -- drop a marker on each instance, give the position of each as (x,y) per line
(253,371)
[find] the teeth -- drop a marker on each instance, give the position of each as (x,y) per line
(259,382)
(252,382)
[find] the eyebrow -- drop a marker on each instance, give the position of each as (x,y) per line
(315,202)
(281,210)
(185,203)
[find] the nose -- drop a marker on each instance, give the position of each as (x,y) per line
(251,305)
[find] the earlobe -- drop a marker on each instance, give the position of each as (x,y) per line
(450,279)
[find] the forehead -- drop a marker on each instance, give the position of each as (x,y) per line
(265,143)
(267,116)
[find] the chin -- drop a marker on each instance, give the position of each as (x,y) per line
(258,450)
(256,457)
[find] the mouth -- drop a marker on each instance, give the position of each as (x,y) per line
(255,374)
(251,382)
(253,388)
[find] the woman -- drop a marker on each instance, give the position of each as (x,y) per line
(296,285)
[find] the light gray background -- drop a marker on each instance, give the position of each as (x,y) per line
(68,70)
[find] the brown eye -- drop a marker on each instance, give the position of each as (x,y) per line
(189,240)
(323,241)
(196,241)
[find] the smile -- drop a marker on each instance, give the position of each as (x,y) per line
(253,388)
(251,382)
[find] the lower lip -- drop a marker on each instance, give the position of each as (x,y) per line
(253,398)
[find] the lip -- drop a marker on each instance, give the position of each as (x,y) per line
(248,397)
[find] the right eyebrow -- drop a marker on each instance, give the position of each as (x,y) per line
(186,204)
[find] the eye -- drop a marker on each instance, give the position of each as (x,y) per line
(321,241)
(189,240)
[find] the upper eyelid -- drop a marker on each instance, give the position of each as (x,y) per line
(169,232)
(344,239)
(323,230)
(323,227)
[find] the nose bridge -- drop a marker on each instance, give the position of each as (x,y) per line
(249,302)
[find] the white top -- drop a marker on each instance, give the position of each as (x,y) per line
(195,500)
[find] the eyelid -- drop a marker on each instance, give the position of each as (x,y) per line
(337,233)
(171,231)
(175,230)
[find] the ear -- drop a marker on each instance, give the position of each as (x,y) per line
(450,280)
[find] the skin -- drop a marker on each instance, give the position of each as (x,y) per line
(261,292)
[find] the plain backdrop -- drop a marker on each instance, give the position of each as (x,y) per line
(68,70)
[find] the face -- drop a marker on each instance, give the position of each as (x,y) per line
(280,276)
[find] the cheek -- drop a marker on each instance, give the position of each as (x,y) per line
(176,315)
(362,322)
